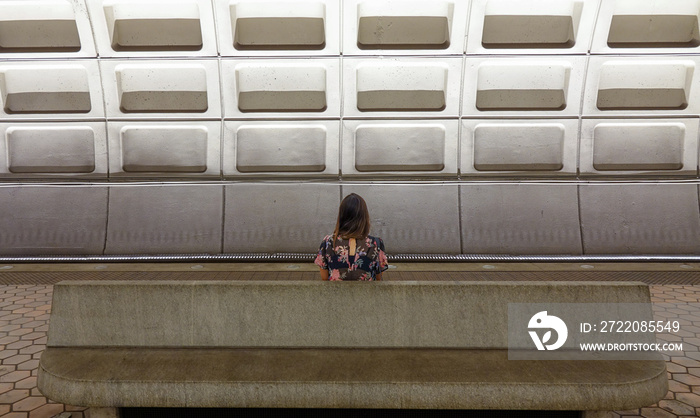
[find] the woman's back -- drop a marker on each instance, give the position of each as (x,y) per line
(352,259)
(351,253)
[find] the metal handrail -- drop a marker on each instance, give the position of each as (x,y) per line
(309,257)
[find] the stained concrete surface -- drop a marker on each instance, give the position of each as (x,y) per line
(25,308)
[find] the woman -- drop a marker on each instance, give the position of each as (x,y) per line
(351,253)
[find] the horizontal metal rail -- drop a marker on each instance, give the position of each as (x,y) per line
(308,257)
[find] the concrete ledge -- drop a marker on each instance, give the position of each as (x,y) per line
(310,344)
(189,313)
(343,378)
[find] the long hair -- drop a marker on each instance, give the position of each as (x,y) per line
(353,218)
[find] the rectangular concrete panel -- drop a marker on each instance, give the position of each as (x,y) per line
(412,218)
(165,89)
(47,102)
(409,148)
(641,85)
(164,218)
(545,86)
(281,88)
(269,33)
(422,148)
(292,148)
(659,147)
(263,26)
(644,85)
(45,89)
(53,150)
(52,219)
(653,31)
(278,27)
(645,98)
(281,149)
(151,27)
(48,28)
(520,219)
(163,101)
(186,149)
(403,32)
(162,89)
(404,25)
(503,86)
(626,26)
(39,35)
(508,31)
(542,27)
(518,146)
(279,217)
(282,101)
(171,149)
(33,26)
(494,151)
(125,28)
(640,218)
(396,27)
(401,87)
(50,90)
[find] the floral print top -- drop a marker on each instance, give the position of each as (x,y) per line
(368,261)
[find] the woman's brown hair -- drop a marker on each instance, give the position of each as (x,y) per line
(353,218)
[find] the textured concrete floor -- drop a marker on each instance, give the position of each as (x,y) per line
(25,309)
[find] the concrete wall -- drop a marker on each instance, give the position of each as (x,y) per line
(482,126)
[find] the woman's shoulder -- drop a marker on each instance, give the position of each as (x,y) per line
(375,241)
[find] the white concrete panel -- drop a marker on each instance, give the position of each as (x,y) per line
(640,218)
(539,26)
(279,217)
(281,149)
(520,219)
(30,29)
(412,218)
(520,148)
(397,27)
(164,218)
(400,148)
(52,220)
(647,26)
(53,150)
(281,89)
(50,90)
(536,86)
(658,147)
(278,27)
(651,85)
(401,87)
(170,149)
(171,89)
(148,28)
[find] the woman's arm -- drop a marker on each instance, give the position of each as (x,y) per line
(324,274)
